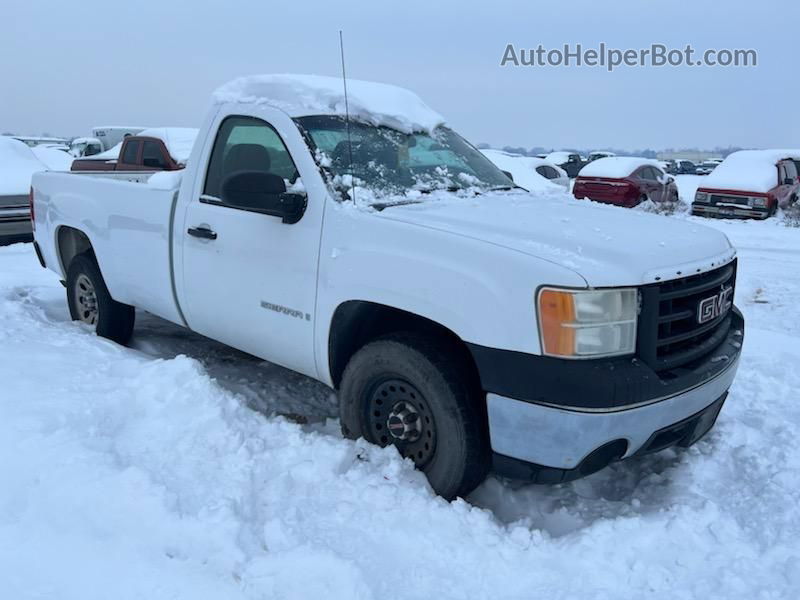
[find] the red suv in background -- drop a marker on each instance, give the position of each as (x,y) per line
(750,184)
(625,181)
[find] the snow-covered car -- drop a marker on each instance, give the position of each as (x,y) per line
(750,184)
(685,167)
(625,181)
(18,163)
(705,167)
(458,317)
(599,154)
(86,146)
(531,173)
(571,162)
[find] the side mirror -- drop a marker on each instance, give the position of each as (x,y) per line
(509,175)
(263,193)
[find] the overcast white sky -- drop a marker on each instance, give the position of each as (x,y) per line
(67,66)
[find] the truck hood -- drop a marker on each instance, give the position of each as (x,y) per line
(606,245)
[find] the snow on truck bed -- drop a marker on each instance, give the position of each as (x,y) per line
(304,95)
(748,170)
(616,166)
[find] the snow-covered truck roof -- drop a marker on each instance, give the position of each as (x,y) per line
(616,166)
(378,104)
(178,140)
(749,170)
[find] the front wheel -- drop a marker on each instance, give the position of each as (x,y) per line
(90,302)
(412,392)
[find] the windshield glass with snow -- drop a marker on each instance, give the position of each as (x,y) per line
(386,163)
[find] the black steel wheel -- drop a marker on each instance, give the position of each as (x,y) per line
(421,395)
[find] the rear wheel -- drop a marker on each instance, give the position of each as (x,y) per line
(90,302)
(412,392)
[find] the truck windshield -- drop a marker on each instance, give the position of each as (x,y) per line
(387,163)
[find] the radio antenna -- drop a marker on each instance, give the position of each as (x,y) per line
(347,120)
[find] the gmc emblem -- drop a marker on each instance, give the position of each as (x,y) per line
(711,308)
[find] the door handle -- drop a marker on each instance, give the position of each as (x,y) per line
(202,232)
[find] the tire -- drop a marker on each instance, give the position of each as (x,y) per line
(90,302)
(643,198)
(411,391)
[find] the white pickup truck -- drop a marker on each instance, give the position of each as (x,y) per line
(462,319)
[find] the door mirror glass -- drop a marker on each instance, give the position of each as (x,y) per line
(264,193)
(788,181)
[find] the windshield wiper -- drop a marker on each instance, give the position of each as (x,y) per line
(450,188)
(382,205)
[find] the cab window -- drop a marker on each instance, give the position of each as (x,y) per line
(247,144)
(153,156)
(130,154)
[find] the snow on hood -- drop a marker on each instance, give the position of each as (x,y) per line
(17,164)
(303,95)
(53,159)
(606,245)
(749,170)
(616,166)
(523,169)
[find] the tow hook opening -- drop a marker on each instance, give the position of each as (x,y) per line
(602,457)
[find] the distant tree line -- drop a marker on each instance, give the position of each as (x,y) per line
(646,152)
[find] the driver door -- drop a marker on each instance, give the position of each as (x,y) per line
(249,279)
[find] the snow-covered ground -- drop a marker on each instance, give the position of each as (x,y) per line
(164,471)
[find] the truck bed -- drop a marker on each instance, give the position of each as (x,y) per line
(129,225)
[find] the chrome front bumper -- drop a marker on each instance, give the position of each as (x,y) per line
(562,439)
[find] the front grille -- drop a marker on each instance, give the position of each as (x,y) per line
(741,200)
(670,334)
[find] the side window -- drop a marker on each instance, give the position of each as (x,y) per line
(552,173)
(131,153)
(542,170)
(153,156)
(791,171)
(248,145)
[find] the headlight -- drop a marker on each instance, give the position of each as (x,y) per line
(701,197)
(758,201)
(587,323)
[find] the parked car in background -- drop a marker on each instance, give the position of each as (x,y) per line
(685,167)
(18,163)
(571,162)
(527,171)
(625,181)
(474,332)
(750,184)
(599,154)
(86,146)
(32,141)
(705,167)
(669,166)
(159,149)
